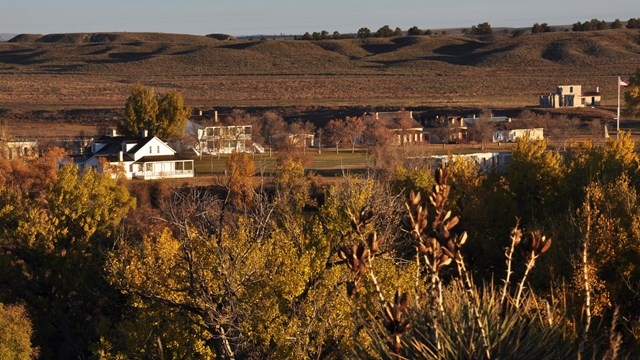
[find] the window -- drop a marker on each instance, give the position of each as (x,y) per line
(150,149)
(149,166)
(571,89)
(158,149)
(188,165)
(179,165)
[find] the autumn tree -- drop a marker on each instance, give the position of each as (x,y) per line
(243,118)
(240,170)
(632,95)
(482,128)
(404,123)
(163,116)
(353,129)
(534,176)
(335,132)
(300,131)
(56,227)
(15,333)
(273,130)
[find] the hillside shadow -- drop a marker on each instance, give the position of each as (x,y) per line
(101,51)
(459,49)
(123,57)
(21,56)
(239,46)
(405,41)
(394,44)
(184,52)
(379,48)
(557,52)
(462,59)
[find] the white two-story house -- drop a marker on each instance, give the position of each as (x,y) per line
(135,157)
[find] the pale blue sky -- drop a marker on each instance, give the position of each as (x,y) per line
(250,17)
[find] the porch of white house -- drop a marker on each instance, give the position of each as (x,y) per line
(163,169)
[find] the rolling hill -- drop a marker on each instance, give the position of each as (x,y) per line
(98,69)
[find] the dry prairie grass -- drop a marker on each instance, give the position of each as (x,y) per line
(71,70)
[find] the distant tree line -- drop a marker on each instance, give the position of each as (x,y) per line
(595,24)
(363,33)
(481,29)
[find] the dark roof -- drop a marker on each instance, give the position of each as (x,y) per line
(114,144)
(591,93)
(141,143)
(161,158)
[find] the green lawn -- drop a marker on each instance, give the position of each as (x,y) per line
(331,164)
(326,163)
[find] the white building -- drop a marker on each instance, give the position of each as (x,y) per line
(571,96)
(486,161)
(135,157)
(514,134)
(226,139)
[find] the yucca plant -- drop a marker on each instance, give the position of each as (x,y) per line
(535,331)
(460,320)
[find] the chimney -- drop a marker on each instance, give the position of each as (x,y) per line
(144,133)
(377,116)
(597,89)
(215,116)
(120,156)
(114,133)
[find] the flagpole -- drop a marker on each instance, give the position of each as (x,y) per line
(618,113)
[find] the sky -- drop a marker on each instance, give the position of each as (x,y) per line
(274,17)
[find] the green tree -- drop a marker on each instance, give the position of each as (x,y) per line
(482,29)
(384,31)
(172,116)
(165,117)
(364,33)
(632,95)
(633,23)
(414,30)
(141,111)
(617,24)
(397,32)
(540,28)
